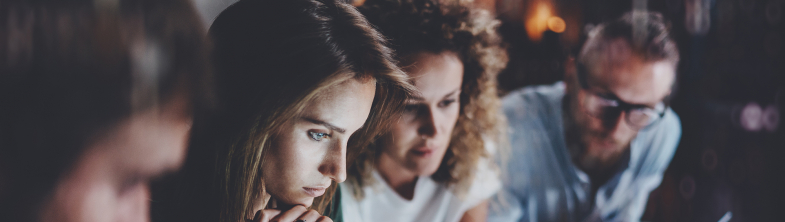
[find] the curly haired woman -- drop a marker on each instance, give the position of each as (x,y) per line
(435,164)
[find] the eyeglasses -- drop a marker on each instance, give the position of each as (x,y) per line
(601,107)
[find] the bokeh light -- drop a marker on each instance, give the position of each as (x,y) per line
(556,24)
(537,21)
(687,187)
(750,118)
(726,217)
(770,118)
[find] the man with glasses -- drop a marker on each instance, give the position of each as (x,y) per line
(593,147)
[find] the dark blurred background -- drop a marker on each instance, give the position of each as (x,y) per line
(730,97)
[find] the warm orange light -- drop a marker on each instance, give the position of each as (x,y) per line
(556,24)
(358,3)
(538,20)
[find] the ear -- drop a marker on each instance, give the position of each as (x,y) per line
(569,67)
(569,74)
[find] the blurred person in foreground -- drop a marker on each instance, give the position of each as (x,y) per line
(96,102)
(436,164)
(593,147)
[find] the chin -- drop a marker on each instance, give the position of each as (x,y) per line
(425,167)
(600,149)
(430,171)
(293,200)
(306,202)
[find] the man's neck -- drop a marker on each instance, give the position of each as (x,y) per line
(400,179)
(600,174)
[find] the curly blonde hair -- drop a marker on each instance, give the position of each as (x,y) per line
(414,26)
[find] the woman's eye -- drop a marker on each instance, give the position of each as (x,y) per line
(446,103)
(410,108)
(317,136)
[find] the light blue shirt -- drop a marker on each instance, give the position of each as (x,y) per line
(542,184)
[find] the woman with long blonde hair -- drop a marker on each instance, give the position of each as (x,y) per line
(301,84)
(436,164)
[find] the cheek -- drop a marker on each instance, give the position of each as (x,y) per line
(87,201)
(590,123)
(401,136)
(581,119)
(87,194)
(451,116)
(292,160)
(406,123)
(133,205)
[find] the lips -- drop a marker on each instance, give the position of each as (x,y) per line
(607,144)
(422,151)
(315,191)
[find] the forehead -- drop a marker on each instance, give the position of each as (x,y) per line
(345,105)
(629,77)
(435,75)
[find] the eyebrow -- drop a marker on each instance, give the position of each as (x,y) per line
(418,98)
(325,124)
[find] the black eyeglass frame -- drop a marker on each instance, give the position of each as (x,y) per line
(622,106)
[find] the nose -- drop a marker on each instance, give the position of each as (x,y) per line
(428,123)
(334,163)
(617,127)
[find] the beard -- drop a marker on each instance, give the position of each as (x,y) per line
(572,133)
(577,137)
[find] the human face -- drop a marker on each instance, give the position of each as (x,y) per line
(418,142)
(110,180)
(624,77)
(310,151)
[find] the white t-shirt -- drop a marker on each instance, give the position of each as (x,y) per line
(432,201)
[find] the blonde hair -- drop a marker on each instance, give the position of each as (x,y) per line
(415,26)
(273,58)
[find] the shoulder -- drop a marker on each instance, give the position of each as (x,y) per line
(485,184)
(351,192)
(534,95)
(533,103)
(349,209)
(659,143)
(666,133)
(535,122)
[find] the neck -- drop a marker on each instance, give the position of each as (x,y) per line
(400,179)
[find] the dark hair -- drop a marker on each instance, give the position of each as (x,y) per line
(646,33)
(69,70)
(273,57)
(416,26)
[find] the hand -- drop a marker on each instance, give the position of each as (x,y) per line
(264,215)
(297,214)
